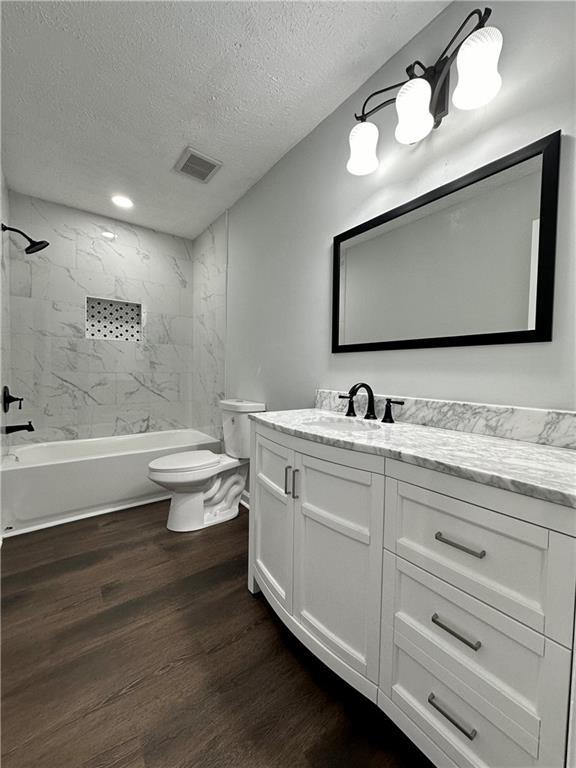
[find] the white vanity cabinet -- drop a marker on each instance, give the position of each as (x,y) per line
(477,620)
(448,602)
(316,547)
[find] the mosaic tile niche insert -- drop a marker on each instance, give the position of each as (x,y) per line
(117,320)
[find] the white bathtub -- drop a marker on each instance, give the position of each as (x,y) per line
(50,483)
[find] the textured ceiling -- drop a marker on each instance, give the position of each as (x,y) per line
(102,97)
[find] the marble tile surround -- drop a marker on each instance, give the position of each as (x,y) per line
(533,425)
(4,299)
(76,387)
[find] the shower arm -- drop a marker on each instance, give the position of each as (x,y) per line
(6,228)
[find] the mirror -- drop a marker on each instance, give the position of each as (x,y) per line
(469,263)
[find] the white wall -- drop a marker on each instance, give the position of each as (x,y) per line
(280,232)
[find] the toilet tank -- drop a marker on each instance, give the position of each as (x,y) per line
(236,425)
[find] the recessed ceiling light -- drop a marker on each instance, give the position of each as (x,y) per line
(122,202)
(109,235)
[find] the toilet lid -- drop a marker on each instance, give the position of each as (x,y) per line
(187,460)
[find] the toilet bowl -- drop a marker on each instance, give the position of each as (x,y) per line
(206,487)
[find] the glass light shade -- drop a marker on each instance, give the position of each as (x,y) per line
(477,62)
(363,140)
(413,108)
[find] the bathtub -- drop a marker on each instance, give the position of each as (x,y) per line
(45,484)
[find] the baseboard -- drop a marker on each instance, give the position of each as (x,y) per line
(245,499)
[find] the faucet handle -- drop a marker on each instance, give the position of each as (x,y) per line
(8,399)
(388,418)
(350,398)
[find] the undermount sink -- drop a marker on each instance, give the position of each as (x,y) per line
(342,424)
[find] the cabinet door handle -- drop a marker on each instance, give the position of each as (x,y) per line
(451,543)
(474,644)
(287,471)
(294,475)
(470,733)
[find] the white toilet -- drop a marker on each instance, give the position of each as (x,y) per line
(206,487)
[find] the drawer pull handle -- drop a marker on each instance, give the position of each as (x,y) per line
(287,471)
(474,552)
(470,733)
(474,644)
(294,474)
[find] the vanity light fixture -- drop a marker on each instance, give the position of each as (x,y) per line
(122,202)
(108,235)
(422,99)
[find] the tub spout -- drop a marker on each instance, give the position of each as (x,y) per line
(18,428)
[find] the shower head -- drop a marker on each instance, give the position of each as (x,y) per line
(35,245)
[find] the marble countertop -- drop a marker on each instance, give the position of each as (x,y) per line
(534,470)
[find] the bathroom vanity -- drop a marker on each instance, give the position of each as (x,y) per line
(433,570)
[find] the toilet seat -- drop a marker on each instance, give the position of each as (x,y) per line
(186,461)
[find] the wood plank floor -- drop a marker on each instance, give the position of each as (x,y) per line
(127,646)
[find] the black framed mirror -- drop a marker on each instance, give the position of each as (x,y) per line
(471,262)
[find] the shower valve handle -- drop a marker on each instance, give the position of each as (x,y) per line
(8,399)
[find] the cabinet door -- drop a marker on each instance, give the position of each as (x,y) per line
(274,519)
(337,559)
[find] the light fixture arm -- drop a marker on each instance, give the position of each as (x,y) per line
(438,75)
(364,115)
(483,17)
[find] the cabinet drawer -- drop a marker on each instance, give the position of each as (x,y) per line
(466,727)
(516,672)
(460,722)
(523,570)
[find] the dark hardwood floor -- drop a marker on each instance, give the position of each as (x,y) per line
(127,646)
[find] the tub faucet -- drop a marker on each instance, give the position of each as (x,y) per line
(18,428)
(370,412)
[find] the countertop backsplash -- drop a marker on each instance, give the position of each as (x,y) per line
(533,425)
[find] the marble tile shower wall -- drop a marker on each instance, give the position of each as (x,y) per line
(76,387)
(4,300)
(209,268)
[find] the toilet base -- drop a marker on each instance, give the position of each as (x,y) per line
(216,503)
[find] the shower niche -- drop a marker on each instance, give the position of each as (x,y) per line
(114,320)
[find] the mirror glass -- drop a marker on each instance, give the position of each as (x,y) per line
(460,264)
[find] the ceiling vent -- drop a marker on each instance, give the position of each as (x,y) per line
(198,166)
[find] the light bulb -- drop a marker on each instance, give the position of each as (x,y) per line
(477,62)
(413,108)
(363,140)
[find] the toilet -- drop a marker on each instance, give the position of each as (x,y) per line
(206,487)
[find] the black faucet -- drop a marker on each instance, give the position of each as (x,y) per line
(18,428)
(370,411)
(388,418)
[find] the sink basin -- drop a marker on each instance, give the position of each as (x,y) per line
(342,424)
